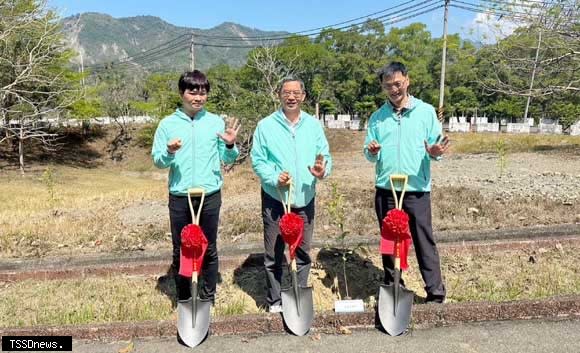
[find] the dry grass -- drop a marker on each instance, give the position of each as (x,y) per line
(82,217)
(91,207)
(487,142)
(83,301)
(500,276)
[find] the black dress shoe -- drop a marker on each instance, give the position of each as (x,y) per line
(435,299)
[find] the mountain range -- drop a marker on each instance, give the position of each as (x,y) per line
(152,44)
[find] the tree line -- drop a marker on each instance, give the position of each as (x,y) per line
(338,68)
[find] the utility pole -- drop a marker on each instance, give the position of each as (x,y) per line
(533,75)
(82,69)
(440,109)
(82,64)
(192,51)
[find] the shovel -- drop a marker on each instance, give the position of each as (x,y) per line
(297,303)
(396,301)
(193,314)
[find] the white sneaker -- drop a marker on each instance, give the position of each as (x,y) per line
(275,308)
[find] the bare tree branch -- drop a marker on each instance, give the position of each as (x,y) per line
(267,62)
(34,80)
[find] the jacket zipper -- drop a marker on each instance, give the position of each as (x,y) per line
(193,153)
(399,143)
(295,162)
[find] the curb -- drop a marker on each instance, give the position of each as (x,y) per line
(134,266)
(424,316)
(101,259)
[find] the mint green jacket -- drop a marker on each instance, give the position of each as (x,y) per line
(402,144)
(197,162)
(276,148)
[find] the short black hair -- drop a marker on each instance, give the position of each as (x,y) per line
(391,69)
(193,80)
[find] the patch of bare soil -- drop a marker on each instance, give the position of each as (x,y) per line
(469,193)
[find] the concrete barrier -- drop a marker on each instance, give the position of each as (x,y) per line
(517,128)
(487,127)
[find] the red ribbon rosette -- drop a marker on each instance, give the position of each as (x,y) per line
(395,229)
(292,230)
(193,247)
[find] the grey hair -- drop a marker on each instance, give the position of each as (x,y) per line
(291,79)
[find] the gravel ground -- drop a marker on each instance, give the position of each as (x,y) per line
(544,175)
(530,175)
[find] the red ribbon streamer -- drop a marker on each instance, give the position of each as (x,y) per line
(292,230)
(193,247)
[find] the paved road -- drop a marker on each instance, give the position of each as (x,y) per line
(493,337)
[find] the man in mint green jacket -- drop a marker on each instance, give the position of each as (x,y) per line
(403,136)
(289,154)
(192,143)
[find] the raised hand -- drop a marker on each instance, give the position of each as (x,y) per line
(233,126)
(284,179)
(373,147)
(173,145)
(319,167)
(438,148)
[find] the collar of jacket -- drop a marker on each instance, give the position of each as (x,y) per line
(181,114)
(281,118)
(390,111)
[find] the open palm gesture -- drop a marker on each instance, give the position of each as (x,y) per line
(319,167)
(438,148)
(233,126)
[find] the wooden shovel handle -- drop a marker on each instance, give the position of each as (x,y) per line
(286,205)
(398,178)
(397,255)
(394,178)
(195,192)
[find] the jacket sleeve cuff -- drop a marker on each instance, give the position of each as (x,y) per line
(167,157)
(273,180)
(370,157)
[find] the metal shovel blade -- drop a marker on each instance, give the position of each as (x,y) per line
(193,334)
(193,303)
(395,314)
(298,309)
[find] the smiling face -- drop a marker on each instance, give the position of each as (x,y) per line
(396,86)
(193,100)
(291,95)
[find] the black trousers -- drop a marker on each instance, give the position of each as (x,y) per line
(418,206)
(274,245)
(180,216)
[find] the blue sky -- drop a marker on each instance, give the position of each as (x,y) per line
(291,16)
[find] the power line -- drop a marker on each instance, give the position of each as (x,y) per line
(483,7)
(180,41)
(385,19)
(181,38)
(182,45)
(521,3)
(319,30)
(492,11)
(366,17)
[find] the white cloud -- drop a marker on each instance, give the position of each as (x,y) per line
(488,28)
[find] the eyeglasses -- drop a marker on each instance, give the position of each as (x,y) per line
(390,86)
(287,94)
